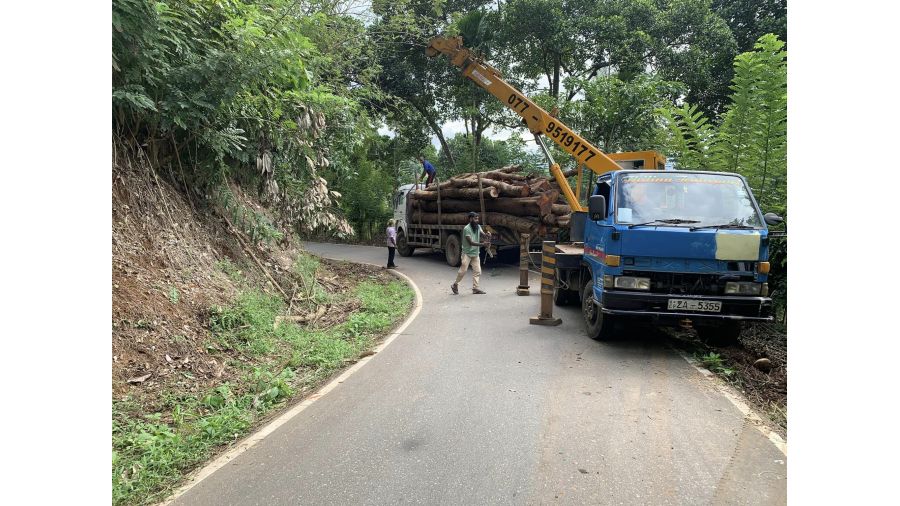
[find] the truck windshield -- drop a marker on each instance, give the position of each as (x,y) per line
(698,200)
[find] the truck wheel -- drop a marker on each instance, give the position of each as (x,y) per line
(723,334)
(403,247)
(452,250)
(597,325)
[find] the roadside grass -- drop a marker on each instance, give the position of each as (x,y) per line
(153,451)
(715,363)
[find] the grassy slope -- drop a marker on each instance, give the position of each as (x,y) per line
(153,451)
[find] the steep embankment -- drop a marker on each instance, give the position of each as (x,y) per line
(213,333)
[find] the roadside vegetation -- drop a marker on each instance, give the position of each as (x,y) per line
(273,362)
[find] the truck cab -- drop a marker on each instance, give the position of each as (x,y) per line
(670,246)
(399,205)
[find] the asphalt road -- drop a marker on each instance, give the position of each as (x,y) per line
(472,405)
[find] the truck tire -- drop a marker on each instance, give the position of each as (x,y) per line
(598,325)
(452,250)
(403,247)
(722,334)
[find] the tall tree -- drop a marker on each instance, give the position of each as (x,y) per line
(401,32)
(750,20)
(570,42)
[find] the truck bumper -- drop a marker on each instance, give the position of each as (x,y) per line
(654,305)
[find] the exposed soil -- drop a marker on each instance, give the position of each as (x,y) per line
(169,267)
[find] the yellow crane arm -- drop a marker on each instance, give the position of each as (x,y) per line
(539,121)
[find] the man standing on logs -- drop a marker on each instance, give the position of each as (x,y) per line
(471,245)
(428,172)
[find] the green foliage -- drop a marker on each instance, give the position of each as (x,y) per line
(691,137)
(715,363)
(620,115)
(749,21)
(230,270)
(491,154)
(228,90)
(570,43)
(174,295)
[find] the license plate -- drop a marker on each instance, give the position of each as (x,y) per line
(710,306)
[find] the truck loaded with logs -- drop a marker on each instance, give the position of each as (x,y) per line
(673,247)
(510,204)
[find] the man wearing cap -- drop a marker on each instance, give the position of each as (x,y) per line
(471,244)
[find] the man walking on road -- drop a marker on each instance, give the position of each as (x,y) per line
(471,244)
(428,171)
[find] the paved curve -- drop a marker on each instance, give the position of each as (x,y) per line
(472,405)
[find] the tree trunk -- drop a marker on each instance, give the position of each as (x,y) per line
(506,189)
(516,223)
(454,193)
(528,206)
(505,177)
(437,131)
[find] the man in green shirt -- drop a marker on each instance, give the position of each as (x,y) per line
(471,244)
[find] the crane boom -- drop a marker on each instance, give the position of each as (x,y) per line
(538,120)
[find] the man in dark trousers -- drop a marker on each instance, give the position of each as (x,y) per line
(428,171)
(391,243)
(471,245)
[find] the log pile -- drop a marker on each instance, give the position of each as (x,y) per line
(519,202)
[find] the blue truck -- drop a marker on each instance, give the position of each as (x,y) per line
(669,246)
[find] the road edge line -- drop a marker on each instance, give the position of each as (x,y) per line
(272,426)
(735,398)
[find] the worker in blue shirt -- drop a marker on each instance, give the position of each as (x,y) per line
(429,171)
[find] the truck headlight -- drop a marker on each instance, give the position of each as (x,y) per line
(742,288)
(632,283)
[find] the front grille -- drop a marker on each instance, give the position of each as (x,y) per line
(687,283)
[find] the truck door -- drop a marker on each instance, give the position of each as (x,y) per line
(399,204)
(598,241)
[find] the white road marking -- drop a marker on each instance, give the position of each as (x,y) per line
(261,434)
(738,402)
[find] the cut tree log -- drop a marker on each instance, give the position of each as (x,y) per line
(505,189)
(536,205)
(517,223)
(541,185)
(557,221)
(505,177)
(560,209)
(509,169)
(454,193)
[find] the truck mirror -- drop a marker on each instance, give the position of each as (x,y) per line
(773,219)
(597,207)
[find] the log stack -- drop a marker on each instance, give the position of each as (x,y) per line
(507,198)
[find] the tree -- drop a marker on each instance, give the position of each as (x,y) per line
(752,138)
(620,115)
(411,79)
(749,21)
(571,42)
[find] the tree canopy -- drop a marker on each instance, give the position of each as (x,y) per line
(288,97)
